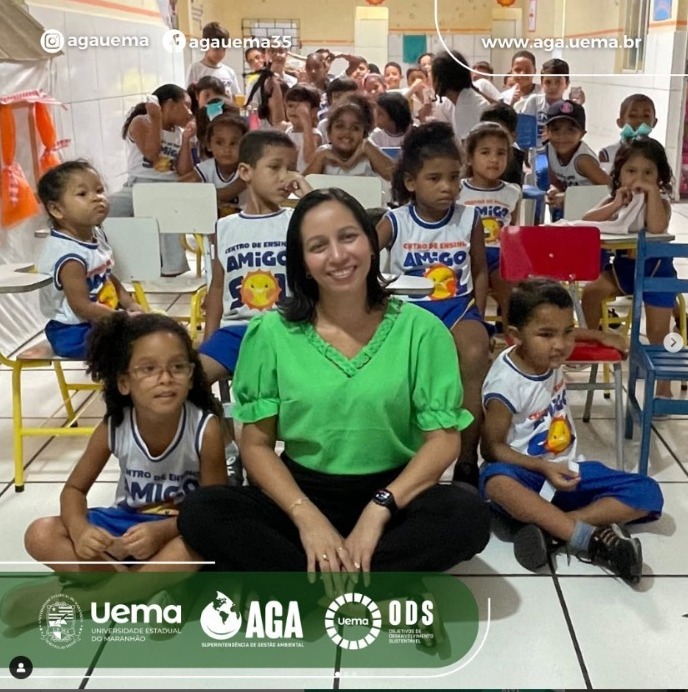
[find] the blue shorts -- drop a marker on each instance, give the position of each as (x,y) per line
(223,346)
(596,481)
(454,310)
(117,521)
(623,271)
(68,340)
(492,253)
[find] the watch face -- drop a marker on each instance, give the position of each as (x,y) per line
(383,497)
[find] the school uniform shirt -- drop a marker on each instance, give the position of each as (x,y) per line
(608,153)
(467,110)
(381,138)
(362,168)
(439,250)
(209,173)
(156,484)
(96,258)
(222,72)
(541,423)
(495,206)
(164,167)
(507,95)
(252,252)
(567,173)
(535,105)
(297,138)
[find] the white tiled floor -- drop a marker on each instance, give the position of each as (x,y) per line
(569,626)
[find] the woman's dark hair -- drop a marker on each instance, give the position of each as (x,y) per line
(164,93)
(203,121)
(52,184)
(448,74)
(529,295)
(397,108)
(359,106)
(429,141)
(479,132)
(207,82)
(110,345)
(372,67)
(652,150)
(300,306)
(225,121)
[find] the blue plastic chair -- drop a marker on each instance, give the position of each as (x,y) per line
(653,362)
(526,131)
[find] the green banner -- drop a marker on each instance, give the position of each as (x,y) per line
(232,620)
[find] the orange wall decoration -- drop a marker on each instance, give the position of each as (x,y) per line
(16,196)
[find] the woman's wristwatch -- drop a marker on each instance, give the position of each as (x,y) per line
(384,498)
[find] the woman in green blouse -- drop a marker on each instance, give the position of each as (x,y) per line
(365,392)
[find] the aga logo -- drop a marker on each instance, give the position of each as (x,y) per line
(219,619)
(60,621)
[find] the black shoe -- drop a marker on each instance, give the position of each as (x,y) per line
(235,469)
(466,472)
(611,546)
(614,320)
(530,547)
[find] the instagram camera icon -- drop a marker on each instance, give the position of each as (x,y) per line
(52,41)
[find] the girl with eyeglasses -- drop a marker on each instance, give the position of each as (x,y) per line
(161,424)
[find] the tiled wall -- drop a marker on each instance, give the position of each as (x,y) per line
(100,85)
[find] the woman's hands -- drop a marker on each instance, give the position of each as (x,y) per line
(323,544)
(362,541)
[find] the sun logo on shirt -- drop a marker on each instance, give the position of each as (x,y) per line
(445,282)
(491,227)
(107,295)
(260,290)
(559,436)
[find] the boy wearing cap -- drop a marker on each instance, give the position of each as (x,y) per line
(570,160)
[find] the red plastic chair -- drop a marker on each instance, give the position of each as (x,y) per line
(570,254)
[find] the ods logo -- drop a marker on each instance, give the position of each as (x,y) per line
(374,622)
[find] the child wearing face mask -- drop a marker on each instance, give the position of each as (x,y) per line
(636,118)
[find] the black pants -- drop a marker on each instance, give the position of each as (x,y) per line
(242,529)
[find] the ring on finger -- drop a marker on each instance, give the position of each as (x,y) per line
(357,565)
(324,557)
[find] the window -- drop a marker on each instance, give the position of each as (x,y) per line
(635,27)
(273,32)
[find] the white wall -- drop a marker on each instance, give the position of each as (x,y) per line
(100,85)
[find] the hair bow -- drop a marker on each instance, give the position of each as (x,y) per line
(214,109)
(627,132)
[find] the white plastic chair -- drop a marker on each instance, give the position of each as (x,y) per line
(366,189)
(580,199)
(135,246)
(179,208)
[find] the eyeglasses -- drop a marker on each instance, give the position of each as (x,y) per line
(178,371)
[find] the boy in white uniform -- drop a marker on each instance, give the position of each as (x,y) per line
(533,472)
(571,161)
(249,270)
(211,64)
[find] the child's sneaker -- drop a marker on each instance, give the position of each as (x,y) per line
(235,469)
(530,547)
(611,546)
